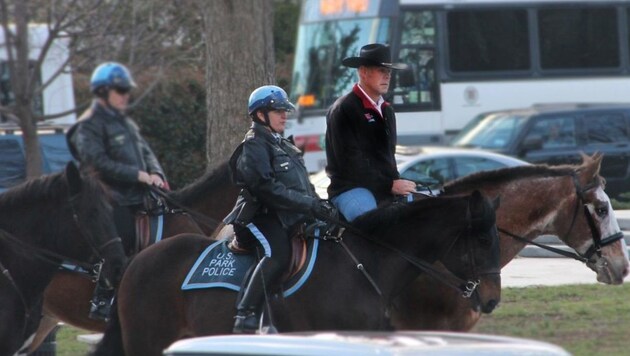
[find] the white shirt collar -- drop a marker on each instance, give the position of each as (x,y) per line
(377,104)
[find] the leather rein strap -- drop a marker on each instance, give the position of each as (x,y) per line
(197,216)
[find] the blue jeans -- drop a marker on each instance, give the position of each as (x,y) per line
(354,202)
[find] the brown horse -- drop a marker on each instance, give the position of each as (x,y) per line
(67,297)
(458,231)
(49,220)
(535,201)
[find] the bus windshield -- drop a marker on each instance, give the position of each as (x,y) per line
(319,78)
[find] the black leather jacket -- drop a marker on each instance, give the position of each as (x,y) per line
(360,146)
(111,143)
(272,171)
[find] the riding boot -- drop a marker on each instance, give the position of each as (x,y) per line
(100,305)
(250,307)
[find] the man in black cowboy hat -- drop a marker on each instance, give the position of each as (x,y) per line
(361,138)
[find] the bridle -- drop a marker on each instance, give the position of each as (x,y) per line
(598,242)
(57,259)
(466,287)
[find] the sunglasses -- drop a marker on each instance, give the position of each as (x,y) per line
(121,90)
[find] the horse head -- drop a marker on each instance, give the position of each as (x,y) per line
(92,213)
(479,254)
(596,232)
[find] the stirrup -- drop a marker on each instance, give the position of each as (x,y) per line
(246,323)
(99,310)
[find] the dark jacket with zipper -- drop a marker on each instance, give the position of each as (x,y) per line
(272,171)
(360,146)
(111,143)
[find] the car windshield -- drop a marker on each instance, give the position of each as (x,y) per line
(491,131)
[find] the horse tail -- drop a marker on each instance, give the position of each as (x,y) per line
(112,343)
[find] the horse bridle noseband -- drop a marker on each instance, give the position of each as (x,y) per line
(598,242)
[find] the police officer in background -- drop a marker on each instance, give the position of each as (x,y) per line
(276,195)
(107,141)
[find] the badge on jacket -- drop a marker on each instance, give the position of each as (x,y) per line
(369,117)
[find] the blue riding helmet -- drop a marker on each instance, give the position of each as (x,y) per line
(112,75)
(271,97)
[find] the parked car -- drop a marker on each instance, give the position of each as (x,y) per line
(363,344)
(54,150)
(556,134)
(431,167)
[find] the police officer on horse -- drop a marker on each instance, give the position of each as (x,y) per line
(276,195)
(109,142)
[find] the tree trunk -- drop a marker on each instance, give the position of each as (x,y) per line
(240,58)
(21,82)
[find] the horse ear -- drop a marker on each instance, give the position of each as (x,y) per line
(496,202)
(475,205)
(73,176)
(591,165)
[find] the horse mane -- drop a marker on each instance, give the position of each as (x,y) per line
(378,221)
(33,191)
(202,185)
(499,176)
(53,188)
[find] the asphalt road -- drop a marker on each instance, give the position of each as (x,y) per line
(529,271)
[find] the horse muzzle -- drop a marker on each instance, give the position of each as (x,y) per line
(609,271)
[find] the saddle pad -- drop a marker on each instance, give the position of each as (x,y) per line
(219,267)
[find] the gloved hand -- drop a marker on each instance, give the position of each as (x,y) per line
(324,210)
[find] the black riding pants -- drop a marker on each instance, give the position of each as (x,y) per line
(125,220)
(274,251)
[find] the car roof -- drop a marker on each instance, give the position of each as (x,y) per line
(552,108)
(363,343)
(406,154)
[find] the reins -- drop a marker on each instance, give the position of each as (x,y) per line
(196,216)
(465,287)
(598,242)
(7,274)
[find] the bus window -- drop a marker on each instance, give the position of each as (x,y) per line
(417,85)
(488,40)
(578,38)
(318,74)
(418,28)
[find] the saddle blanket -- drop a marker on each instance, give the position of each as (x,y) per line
(219,267)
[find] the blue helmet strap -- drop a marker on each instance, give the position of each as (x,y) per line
(267,122)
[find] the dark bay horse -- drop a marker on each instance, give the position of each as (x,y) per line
(67,297)
(535,201)
(458,231)
(45,221)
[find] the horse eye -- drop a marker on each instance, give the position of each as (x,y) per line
(601,211)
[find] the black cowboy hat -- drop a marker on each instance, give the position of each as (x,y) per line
(374,54)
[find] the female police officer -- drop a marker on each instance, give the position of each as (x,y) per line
(276,195)
(107,141)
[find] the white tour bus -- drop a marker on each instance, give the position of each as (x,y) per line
(466,57)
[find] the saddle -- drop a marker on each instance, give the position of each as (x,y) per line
(149,220)
(299,236)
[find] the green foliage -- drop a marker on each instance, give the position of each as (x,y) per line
(621,202)
(67,344)
(584,319)
(173,120)
(285,28)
